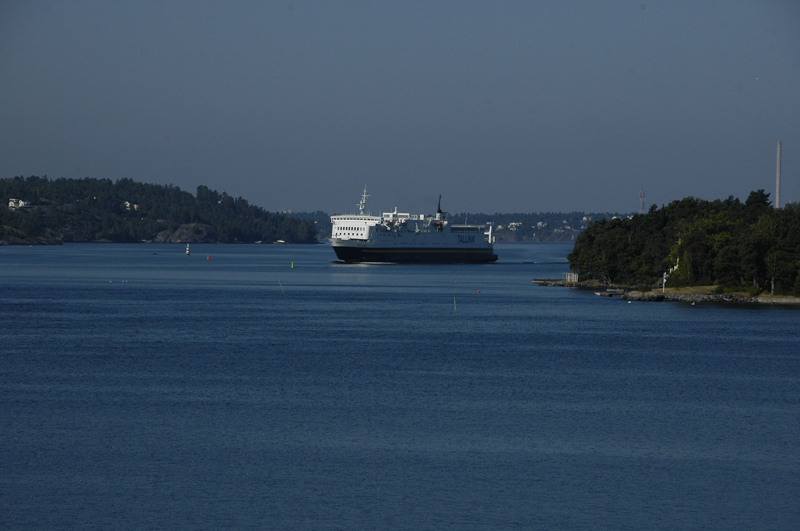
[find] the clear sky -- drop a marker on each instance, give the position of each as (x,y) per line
(499,106)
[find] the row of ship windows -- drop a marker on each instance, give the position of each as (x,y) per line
(360,229)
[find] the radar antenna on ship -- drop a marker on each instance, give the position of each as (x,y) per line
(363,202)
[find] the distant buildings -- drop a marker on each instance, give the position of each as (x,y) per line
(18,204)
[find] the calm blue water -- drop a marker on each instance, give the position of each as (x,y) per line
(144,389)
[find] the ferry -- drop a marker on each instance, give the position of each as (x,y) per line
(399,237)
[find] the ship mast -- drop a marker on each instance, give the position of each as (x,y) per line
(363,202)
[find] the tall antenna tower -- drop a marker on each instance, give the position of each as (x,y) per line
(778,179)
(641,201)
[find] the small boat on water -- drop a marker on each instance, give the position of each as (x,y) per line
(187,249)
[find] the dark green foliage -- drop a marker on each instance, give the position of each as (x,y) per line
(320,219)
(128,211)
(747,246)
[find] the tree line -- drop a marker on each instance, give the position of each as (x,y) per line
(128,211)
(736,246)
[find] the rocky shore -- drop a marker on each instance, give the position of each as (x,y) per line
(12,236)
(186,233)
(580,285)
(657,296)
(189,233)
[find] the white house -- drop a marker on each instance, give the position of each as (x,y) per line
(18,204)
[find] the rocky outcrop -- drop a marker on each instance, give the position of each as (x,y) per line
(189,233)
(657,296)
(778,300)
(591,284)
(12,236)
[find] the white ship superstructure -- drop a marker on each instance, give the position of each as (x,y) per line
(403,237)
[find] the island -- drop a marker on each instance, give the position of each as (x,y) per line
(53,211)
(695,249)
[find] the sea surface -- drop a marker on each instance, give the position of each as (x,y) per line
(268,387)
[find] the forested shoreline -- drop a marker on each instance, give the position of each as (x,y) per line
(735,246)
(745,246)
(99,210)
